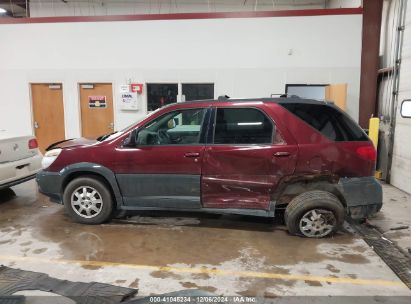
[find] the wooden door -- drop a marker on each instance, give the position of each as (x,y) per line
(96,102)
(338,94)
(48,113)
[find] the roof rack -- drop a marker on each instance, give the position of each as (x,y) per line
(223,98)
(285,95)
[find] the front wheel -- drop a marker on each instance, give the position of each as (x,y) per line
(88,200)
(314,214)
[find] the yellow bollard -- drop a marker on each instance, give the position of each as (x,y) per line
(373,131)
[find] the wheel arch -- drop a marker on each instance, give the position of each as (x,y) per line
(94,170)
(292,187)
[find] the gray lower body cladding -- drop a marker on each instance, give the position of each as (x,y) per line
(50,184)
(161,190)
(363,196)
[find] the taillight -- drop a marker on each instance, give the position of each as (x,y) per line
(33,144)
(367,152)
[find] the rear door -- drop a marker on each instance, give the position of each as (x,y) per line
(245,159)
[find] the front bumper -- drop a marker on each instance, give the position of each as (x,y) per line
(50,184)
(363,196)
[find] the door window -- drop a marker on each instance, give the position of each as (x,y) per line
(181,127)
(242,126)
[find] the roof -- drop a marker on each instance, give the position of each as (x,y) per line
(279,100)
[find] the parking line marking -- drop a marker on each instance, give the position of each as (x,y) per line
(204,270)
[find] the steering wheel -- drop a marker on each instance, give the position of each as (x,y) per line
(163,137)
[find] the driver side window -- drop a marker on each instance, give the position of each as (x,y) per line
(181,127)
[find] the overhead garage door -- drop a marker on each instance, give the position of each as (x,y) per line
(401,162)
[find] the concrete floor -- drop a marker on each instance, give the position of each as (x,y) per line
(158,253)
(395,219)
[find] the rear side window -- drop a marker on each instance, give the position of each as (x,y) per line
(331,122)
(242,126)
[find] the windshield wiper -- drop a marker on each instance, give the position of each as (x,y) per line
(103,137)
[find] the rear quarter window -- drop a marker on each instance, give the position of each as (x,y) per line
(331,122)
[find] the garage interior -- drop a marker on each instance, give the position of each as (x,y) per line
(75,68)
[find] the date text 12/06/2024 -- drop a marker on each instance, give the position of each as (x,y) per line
(203,299)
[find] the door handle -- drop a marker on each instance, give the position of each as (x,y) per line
(111,126)
(36,125)
(281,154)
(192,154)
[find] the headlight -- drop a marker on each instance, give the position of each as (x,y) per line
(50,157)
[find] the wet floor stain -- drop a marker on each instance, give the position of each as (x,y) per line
(269,295)
(39,251)
(5,241)
(200,276)
(313,283)
(213,241)
(134,284)
(175,238)
(194,285)
(26,243)
(332,268)
(354,258)
(166,275)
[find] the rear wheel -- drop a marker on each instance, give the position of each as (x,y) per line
(88,200)
(314,214)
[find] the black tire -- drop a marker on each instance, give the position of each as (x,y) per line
(303,205)
(106,206)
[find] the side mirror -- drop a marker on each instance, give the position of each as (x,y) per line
(406,108)
(131,139)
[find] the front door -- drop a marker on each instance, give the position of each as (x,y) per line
(96,101)
(48,113)
(162,169)
(245,160)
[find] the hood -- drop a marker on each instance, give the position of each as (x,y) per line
(71,143)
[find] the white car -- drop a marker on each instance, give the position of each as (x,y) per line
(20,159)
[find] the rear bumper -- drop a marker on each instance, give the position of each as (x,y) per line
(50,184)
(19,171)
(363,196)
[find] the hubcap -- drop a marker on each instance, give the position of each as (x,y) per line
(317,223)
(86,202)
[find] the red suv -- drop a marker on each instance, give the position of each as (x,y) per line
(239,156)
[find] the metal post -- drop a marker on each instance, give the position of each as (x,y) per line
(371,27)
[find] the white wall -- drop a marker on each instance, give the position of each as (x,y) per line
(243,57)
(41,8)
(343,3)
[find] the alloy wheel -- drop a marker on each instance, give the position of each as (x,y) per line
(86,201)
(317,223)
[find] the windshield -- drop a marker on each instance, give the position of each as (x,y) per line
(115,134)
(140,119)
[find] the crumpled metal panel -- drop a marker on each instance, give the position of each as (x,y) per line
(14,280)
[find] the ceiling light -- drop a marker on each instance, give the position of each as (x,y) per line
(2,10)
